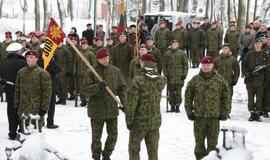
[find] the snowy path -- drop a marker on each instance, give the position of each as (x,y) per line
(176,133)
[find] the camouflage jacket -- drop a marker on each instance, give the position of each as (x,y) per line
(175,66)
(143,101)
(134,68)
(157,53)
(252,60)
(179,35)
(32,90)
(71,59)
(80,66)
(231,37)
(162,38)
(213,39)
(207,95)
(100,104)
(196,38)
(3,52)
(228,67)
(122,56)
(63,59)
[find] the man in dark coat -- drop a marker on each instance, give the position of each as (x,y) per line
(8,71)
(88,34)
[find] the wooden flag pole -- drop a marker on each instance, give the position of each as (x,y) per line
(93,70)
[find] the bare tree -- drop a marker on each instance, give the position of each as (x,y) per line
(37,15)
(161,5)
(70,9)
(61,9)
(241,15)
(229,10)
(255,10)
(195,5)
(185,8)
(247,14)
(24,7)
(206,8)
(234,10)
(212,10)
(89,9)
(144,6)
(1,5)
(46,15)
(265,9)
(171,5)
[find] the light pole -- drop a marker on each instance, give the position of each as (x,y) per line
(95,17)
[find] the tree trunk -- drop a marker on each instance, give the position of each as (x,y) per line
(195,4)
(70,9)
(212,10)
(61,10)
(265,9)
(206,8)
(255,10)
(185,8)
(241,15)
(46,15)
(89,9)
(161,5)
(229,10)
(247,14)
(149,5)
(171,5)
(37,16)
(144,6)
(1,5)
(234,10)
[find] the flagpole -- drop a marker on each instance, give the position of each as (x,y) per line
(93,70)
(95,17)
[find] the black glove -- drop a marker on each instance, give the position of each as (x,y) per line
(123,109)
(223,118)
(2,81)
(191,117)
(130,127)
(102,85)
(234,83)
(183,78)
(42,113)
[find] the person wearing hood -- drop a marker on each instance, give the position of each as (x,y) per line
(175,68)
(143,117)
(8,71)
(227,66)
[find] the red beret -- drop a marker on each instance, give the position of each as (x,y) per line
(101,53)
(207,59)
(148,57)
(109,38)
(8,34)
(31,52)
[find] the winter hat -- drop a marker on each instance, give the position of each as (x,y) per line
(101,53)
(31,52)
(14,47)
(8,34)
(148,57)
(207,59)
(225,45)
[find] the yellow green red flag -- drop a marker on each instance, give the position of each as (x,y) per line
(54,37)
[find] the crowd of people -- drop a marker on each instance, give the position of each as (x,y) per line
(164,57)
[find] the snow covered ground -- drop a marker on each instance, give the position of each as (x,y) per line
(73,137)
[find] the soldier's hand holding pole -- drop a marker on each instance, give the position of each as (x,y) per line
(93,70)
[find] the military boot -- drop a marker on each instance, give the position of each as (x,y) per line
(257,117)
(252,116)
(61,101)
(72,97)
(177,110)
(83,103)
(172,109)
(106,157)
(265,114)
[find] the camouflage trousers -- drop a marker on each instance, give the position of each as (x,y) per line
(97,128)
(205,128)
(213,53)
(151,138)
(252,93)
(174,92)
(62,87)
(70,84)
(266,95)
(196,55)
(80,80)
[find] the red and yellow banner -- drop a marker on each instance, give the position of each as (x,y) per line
(122,26)
(54,37)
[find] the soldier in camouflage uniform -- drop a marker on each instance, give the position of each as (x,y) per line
(162,38)
(81,68)
(135,68)
(228,67)
(143,117)
(175,68)
(254,84)
(122,56)
(35,42)
(64,61)
(97,45)
(8,40)
(196,43)
(179,34)
(32,89)
(207,101)
(231,37)
(101,106)
(110,46)
(213,40)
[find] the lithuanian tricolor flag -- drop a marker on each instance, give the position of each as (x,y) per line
(54,37)
(123,19)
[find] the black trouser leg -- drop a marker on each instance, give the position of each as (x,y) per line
(51,110)
(13,120)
